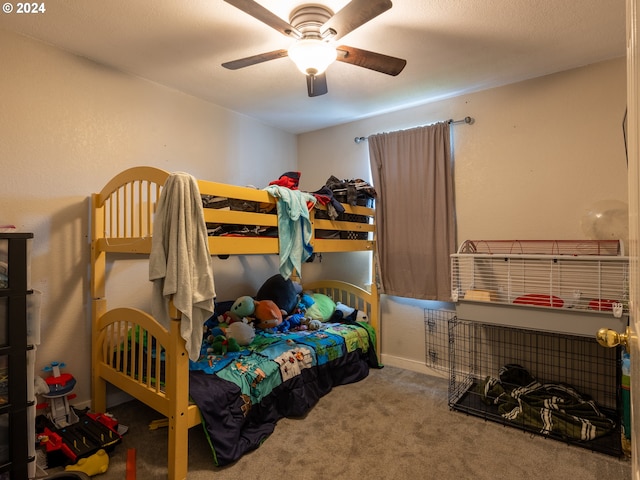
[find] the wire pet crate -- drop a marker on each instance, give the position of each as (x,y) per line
(561,386)
(436,338)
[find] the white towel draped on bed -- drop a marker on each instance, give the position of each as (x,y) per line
(180,262)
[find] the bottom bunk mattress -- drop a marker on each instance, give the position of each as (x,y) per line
(242,395)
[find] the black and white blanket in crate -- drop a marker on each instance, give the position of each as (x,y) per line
(548,408)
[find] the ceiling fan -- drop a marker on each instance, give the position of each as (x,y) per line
(315,29)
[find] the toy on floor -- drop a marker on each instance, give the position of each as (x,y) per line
(92,465)
(60,387)
(92,432)
(131,464)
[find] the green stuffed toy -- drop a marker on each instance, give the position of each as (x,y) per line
(221,345)
(244,306)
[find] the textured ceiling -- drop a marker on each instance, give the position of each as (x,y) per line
(451,47)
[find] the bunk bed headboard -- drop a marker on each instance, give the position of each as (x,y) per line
(352,295)
(122,221)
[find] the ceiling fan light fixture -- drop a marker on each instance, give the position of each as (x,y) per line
(312,56)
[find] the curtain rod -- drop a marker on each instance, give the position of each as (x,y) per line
(451,121)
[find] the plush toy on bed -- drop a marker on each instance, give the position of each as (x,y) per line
(219,345)
(298,321)
(322,307)
(347,312)
(243,307)
(242,332)
(266,313)
(292,322)
(284,293)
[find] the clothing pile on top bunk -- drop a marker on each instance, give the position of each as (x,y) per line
(293,206)
(547,408)
(353,192)
(331,195)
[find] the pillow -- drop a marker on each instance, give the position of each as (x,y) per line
(322,309)
(280,291)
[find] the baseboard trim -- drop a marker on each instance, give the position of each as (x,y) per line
(411,365)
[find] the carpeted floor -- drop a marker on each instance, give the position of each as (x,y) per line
(395,424)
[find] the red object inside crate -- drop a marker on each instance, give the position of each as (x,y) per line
(602,305)
(540,300)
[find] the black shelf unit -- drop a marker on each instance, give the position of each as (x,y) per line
(14,451)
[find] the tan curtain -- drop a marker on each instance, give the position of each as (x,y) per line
(412,173)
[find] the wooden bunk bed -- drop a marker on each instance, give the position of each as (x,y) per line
(122,217)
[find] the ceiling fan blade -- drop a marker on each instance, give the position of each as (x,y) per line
(254,59)
(317,85)
(265,16)
(353,15)
(371,60)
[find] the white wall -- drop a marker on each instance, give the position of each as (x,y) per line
(68,125)
(540,154)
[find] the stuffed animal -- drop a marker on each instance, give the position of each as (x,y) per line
(313,324)
(244,306)
(298,321)
(346,310)
(283,292)
(267,314)
(221,345)
(306,300)
(242,331)
(292,322)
